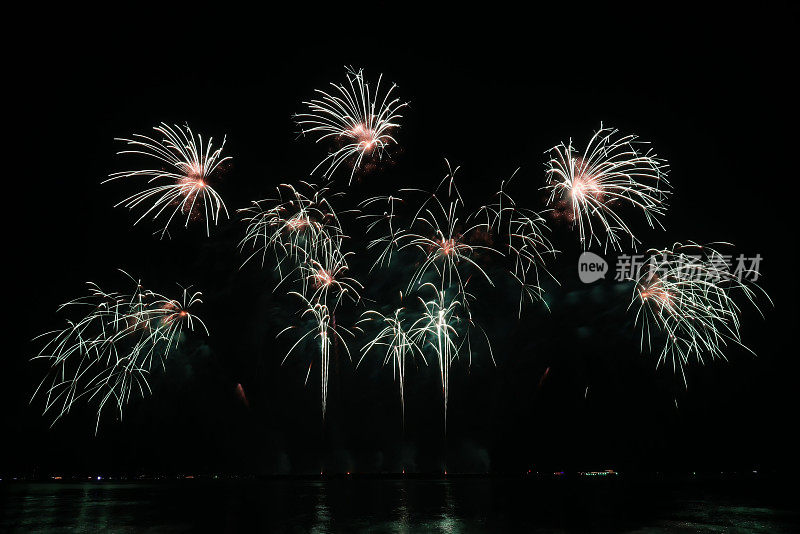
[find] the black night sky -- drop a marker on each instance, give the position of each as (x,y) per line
(711,97)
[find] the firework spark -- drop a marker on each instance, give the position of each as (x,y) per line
(686,297)
(325,331)
(524,232)
(438,327)
(108,352)
(183,187)
(325,275)
(401,343)
(304,231)
(292,226)
(355,116)
(613,171)
(444,240)
(389,241)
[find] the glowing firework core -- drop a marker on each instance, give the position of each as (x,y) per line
(656,292)
(583,186)
(357,112)
(367,139)
(448,246)
(182,189)
(323,278)
(297,223)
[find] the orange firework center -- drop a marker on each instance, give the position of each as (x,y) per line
(297,223)
(194,176)
(323,277)
(190,184)
(173,316)
(447,246)
(366,137)
(656,292)
(583,185)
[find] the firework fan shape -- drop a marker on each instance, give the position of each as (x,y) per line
(524,233)
(439,331)
(325,332)
(686,297)
(305,235)
(293,226)
(107,353)
(324,275)
(179,186)
(449,248)
(444,244)
(614,171)
(439,233)
(400,344)
(353,115)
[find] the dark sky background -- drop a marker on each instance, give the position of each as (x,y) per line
(712,95)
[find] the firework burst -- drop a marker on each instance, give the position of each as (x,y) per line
(107,353)
(614,171)
(524,233)
(293,226)
(443,238)
(304,231)
(180,185)
(400,343)
(325,275)
(361,120)
(685,297)
(445,328)
(325,332)
(395,233)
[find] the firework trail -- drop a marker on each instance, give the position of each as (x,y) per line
(107,353)
(524,234)
(400,343)
(304,234)
(323,278)
(293,226)
(354,116)
(183,187)
(686,296)
(445,328)
(324,275)
(325,331)
(450,247)
(439,327)
(395,233)
(440,235)
(613,171)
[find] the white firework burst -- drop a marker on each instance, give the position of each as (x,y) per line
(399,342)
(524,233)
(359,119)
(107,353)
(325,332)
(614,172)
(292,226)
(685,302)
(179,185)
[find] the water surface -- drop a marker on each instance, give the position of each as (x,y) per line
(399,505)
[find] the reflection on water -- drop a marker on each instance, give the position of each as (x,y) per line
(322,515)
(408,505)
